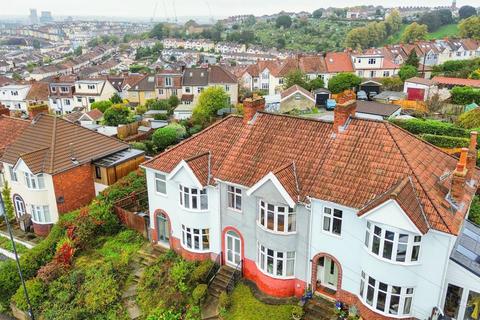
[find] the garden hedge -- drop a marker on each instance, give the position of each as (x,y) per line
(446,141)
(421,126)
(465,95)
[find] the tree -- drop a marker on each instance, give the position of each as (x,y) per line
(102,105)
(173,101)
(316,83)
(117,114)
(36,44)
(317,14)
(413,59)
(7,201)
(281,43)
(470,28)
(414,32)
(343,81)
(432,20)
(164,137)
(357,38)
(115,99)
(283,21)
(78,51)
(466,12)
(407,72)
(296,77)
(392,83)
(393,22)
(209,102)
(158,31)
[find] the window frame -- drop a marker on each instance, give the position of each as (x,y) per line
(158,178)
(188,233)
(405,294)
(373,238)
(34,181)
(331,217)
(40,213)
(235,194)
(13,174)
(197,197)
(265,210)
(284,257)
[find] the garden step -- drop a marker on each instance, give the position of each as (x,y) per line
(139,273)
(133,310)
(130,292)
(319,309)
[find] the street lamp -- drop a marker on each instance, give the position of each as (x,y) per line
(3,213)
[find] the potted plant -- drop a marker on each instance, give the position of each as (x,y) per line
(297,313)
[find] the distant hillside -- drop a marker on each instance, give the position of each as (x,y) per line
(449,30)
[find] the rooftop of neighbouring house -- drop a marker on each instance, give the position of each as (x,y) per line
(51,145)
(352,167)
(10,129)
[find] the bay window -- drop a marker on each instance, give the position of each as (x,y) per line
(196,239)
(390,245)
(332,220)
(277,218)
(234,198)
(193,198)
(41,214)
(160,183)
(276,263)
(386,298)
(34,181)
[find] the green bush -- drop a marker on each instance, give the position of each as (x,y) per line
(102,105)
(36,294)
(116,115)
(139,146)
(164,137)
(469,119)
(474,214)
(160,116)
(446,141)
(224,301)
(199,294)
(199,275)
(193,313)
(420,126)
(343,81)
(465,95)
(179,273)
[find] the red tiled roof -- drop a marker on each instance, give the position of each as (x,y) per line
(39,91)
(457,81)
(351,168)
(10,129)
(338,62)
(418,80)
(5,81)
(95,114)
(200,165)
(287,176)
(296,88)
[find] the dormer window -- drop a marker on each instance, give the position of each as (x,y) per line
(193,198)
(276,218)
(91,86)
(168,82)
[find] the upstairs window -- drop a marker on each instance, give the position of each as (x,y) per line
(372,61)
(160,183)
(394,246)
(13,173)
(193,198)
(64,89)
(91,86)
(277,218)
(332,220)
(168,82)
(34,181)
(234,195)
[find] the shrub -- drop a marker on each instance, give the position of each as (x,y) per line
(116,115)
(140,110)
(179,274)
(474,214)
(181,131)
(36,294)
(161,116)
(469,119)
(199,294)
(193,313)
(407,72)
(343,81)
(101,105)
(465,95)
(164,137)
(100,288)
(199,275)
(195,129)
(446,141)
(297,311)
(139,146)
(7,200)
(420,126)
(224,301)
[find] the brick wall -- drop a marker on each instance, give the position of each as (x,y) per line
(75,186)
(42,229)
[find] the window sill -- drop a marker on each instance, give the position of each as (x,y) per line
(194,250)
(161,194)
(274,276)
(397,263)
(328,233)
(279,233)
(234,210)
(382,312)
(41,223)
(193,210)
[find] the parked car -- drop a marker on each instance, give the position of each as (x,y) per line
(372,95)
(331,103)
(362,95)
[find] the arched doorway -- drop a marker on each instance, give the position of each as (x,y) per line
(326,274)
(163,229)
(233,248)
(19,205)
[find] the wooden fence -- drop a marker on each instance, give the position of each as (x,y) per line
(133,212)
(414,105)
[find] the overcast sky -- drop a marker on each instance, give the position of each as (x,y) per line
(145,8)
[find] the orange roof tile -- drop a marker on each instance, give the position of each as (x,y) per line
(338,62)
(10,130)
(457,81)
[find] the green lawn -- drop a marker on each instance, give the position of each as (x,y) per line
(246,307)
(448,30)
(6,244)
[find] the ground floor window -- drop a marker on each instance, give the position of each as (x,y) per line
(386,298)
(452,301)
(276,263)
(472,310)
(41,214)
(196,239)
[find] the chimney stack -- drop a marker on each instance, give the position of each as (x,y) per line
(251,106)
(459,176)
(35,110)
(345,108)
(4,110)
(472,154)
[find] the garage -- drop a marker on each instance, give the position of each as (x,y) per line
(371,86)
(415,94)
(419,89)
(321,96)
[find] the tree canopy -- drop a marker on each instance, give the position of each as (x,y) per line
(210,101)
(116,115)
(158,31)
(470,27)
(317,14)
(413,59)
(435,19)
(407,72)
(283,21)
(102,105)
(116,99)
(343,81)
(414,32)
(466,12)
(297,77)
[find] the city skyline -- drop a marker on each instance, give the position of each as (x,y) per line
(181,8)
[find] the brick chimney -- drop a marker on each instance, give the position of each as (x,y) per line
(345,108)
(4,110)
(251,106)
(457,189)
(472,154)
(35,110)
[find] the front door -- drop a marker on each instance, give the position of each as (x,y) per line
(233,249)
(327,273)
(162,229)
(19,206)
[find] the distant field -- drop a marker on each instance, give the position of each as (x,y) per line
(448,30)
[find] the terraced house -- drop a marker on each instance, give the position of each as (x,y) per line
(354,209)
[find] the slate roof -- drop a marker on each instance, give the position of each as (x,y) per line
(195,77)
(351,168)
(218,74)
(377,108)
(49,143)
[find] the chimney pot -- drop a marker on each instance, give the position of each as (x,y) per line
(251,106)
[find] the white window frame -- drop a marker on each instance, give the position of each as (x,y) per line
(193,236)
(34,182)
(168,81)
(372,60)
(160,178)
(329,215)
(405,296)
(234,198)
(285,258)
(41,214)
(13,174)
(265,210)
(191,195)
(413,244)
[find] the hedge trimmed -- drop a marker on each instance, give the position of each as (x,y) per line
(421,126)
(445,141)
(465,95)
